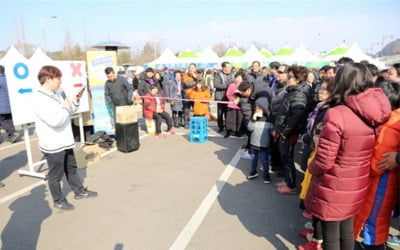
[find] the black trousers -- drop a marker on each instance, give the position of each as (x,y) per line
(7,124)
(221,114)
(275,155)
(337,234)
(317,228)
(187,105)
(233,120)
(286,149)
(158,117)
(59,164)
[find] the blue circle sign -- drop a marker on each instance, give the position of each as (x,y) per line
(17,71)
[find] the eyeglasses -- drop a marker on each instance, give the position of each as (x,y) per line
(281,72)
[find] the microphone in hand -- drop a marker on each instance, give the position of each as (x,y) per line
(67,103)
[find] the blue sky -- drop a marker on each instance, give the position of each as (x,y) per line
(179,25)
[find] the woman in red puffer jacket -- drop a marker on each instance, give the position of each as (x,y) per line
(341,166)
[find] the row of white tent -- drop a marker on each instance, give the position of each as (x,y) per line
(209,59)
(300,56)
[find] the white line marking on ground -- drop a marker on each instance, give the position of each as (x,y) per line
(191,227)
(20,192)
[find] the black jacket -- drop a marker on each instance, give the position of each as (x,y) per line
(291,117)
(310,94)
(260,90)
(276,103)
(255,77)
(145,86)
(221,83)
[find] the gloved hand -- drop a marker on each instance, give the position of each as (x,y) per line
(275,135)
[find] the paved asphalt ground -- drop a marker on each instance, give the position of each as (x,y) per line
(170,194)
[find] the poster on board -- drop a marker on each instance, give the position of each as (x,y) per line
(97,62)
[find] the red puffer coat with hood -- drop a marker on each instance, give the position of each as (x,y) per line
(341,166)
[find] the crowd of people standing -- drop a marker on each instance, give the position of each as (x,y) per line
(344,117)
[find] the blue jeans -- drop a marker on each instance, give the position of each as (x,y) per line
(264,156)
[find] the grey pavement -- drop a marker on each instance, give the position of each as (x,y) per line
(148,198)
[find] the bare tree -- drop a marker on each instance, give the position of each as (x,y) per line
(20,41)
(70,51)
(260,45)
(220,49)
(124,56)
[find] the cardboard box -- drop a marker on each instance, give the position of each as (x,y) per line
(88,154)
(127,114)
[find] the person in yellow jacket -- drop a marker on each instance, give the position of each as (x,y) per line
(201,95)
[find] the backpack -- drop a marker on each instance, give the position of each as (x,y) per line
(101,138)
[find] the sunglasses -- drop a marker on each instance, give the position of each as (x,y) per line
(281,72)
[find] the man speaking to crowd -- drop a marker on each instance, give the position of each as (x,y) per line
(56,141)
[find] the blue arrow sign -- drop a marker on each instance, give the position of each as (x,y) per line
(23,91)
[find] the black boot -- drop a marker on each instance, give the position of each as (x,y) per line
(227,134)
(175,120)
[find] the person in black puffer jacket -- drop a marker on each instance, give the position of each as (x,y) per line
(279,90)
(249,93)
(288,125)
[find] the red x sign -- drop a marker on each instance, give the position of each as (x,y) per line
(76,69)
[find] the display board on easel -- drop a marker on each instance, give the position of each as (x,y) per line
(22,82)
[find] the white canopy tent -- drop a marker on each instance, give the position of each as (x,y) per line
(187,56)
(302,54)
(283,55)
(355,53)
(253,54)
(166,59)
(208,59)
(266,53)
(234,56)
(335,53)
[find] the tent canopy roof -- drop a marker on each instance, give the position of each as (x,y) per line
(233,52)
(266,53)
(187,54)
(337,51)
(284,52)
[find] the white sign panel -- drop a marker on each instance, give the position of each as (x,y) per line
(22,82)
(73,79)
(21,85)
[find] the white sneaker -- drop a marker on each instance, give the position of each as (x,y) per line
(308,225)
(246,156)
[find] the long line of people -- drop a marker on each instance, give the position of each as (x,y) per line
(345,118)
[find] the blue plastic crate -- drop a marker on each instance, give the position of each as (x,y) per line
(198,129)
(198,138)
(198,124)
